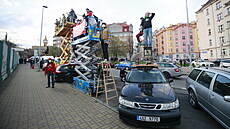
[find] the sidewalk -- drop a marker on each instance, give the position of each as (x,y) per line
(26,103)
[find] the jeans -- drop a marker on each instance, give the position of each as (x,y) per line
(148,36)
(52,78)
(105,49)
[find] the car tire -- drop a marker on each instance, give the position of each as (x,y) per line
(203,64)
(192,99)
(167,75)
(69,79)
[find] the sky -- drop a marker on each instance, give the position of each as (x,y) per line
(21,19)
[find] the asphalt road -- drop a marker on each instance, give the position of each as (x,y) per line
(191,118)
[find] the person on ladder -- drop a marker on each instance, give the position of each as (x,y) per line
(146,25)
(105,40)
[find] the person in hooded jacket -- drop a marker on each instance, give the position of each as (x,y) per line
(50,71)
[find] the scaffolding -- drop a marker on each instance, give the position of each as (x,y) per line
(65,33)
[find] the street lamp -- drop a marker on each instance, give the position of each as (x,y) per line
(39,52)
(188,44)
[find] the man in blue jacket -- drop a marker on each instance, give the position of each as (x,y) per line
(146,25)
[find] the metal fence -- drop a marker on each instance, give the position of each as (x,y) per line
(8,60)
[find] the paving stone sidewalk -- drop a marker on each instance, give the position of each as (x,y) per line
(26,103)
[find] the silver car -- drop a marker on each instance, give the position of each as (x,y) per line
(209,88)
(170,69)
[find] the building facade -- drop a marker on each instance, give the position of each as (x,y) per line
(172,42)
(124,32)
(213,24)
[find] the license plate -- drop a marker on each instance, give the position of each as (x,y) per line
(148,118)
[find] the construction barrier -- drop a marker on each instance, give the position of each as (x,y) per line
(9,60)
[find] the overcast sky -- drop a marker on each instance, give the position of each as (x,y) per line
(21,19)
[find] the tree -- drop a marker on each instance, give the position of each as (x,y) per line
(117,47)
(54,51)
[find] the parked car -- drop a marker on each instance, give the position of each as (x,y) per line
(225,63)
(217,62)
(147,99)
(209,88)
(170,69)
(202,63)
(124,64)
(66,72)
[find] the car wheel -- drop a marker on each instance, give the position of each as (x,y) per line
(203,64)
(192,99)
(167,75)
(69,79)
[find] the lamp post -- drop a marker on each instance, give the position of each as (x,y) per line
(39,51)
(188,33)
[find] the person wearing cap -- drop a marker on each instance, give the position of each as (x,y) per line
(146,25)
(50,71)
(105,40)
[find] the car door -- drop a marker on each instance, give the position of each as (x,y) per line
(202,87)
(219,107)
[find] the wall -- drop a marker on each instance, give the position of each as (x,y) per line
(8,60)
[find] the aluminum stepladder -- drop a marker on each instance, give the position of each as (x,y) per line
(109,83)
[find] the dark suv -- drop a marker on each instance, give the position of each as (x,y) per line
(147,99)
(66,72)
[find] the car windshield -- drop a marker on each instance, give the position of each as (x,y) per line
(146,76)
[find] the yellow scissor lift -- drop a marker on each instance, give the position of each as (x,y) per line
(65,33)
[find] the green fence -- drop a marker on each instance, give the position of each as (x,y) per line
(8,60)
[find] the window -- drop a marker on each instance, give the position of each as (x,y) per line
(208,21)
(210,42)
(184,49)
(176,38)
(211,53)
(169,65)
(170,44)
(192,55)
(207,12)
(193,75)
(170,38)
(191,37)
(218,5)
(205,78)
(222,85)
(219,16)
(221,28)
(183,31)
(190,30)
(209,32)
(184,44)
(183,37)
(177,50)
(228,24)
(228,11)
(177,44)
(221,39)
(176,32)
(192,49)
(191,42)
(224,52)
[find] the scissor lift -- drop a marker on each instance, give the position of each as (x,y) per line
(65,33)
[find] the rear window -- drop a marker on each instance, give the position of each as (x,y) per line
(193,75)
(169,65)
(222,85)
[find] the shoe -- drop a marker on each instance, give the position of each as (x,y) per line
(47,86)
(52,86)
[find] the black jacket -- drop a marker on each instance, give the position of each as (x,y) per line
(147,21)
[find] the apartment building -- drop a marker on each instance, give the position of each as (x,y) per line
(172,42)
(213,25)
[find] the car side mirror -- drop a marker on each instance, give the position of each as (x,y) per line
(170,80)
(227,98)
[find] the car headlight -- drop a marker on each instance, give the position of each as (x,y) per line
(126,102)
(173,105)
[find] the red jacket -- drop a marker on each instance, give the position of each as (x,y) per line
(50,67)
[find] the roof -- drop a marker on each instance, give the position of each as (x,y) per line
(221,70)
(205,5)
(121,24)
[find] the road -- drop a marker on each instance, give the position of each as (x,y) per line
(191,118)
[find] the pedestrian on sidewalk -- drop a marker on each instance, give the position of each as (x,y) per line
(181,62)
(50,71)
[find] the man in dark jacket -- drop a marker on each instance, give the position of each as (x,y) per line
(140,33)
(146,25)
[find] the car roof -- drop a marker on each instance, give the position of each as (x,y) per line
(215,69)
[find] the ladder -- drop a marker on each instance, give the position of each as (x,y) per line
(108,81)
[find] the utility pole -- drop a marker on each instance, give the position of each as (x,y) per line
(188,34)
